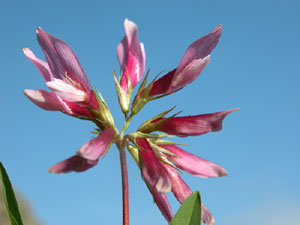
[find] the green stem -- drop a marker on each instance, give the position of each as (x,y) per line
(127,122)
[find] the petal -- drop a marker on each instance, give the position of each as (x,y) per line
(163,84)
(44,99)
(131,56)
(206,216)
(200,48)
(191,65)
(152,170)
(96,147)
(75,163)
(66,91)
(194,164)
(40,64)
(61,59)
(179,188)
(195,125)
(162,203)
(74,109)
(189,73)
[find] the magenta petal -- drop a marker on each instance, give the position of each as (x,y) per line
(44,99)
(75,163)
(194,164)
(61,59)
(195,125)
(163,84)
(40,64)
(191,65)
(96,147)
(206,216)
(74,109)
(200,48)
(163,204)
(152,170)
(179,188)
(131,56)
(189,73)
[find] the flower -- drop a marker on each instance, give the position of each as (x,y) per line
(131,56)
(71,94)
(64,76)
(193,61)
(158,163)
(88,155)
(187,125)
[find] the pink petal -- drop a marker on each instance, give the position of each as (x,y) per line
(163,204)
(152,170)
(179,188)
(74,109)
(40,64)
(96,147)
(195,125)
(75,163)
(67,91)
(194,164)
(61,59)
(206,216)
(44,99)
(189,73)
(131,56)
(191,65)
(200,48)
(163,84)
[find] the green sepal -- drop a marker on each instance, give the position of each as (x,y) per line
(148,126)
(103,116)
(124,99)
(134,151)
(160,149)
(141,98)
(166,142)
(137,134)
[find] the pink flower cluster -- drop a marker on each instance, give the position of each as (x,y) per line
(159,160)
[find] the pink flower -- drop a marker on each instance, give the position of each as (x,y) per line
(193,125)
(162,177)
(194,60)
(64,76)
(131,56)
(88,155)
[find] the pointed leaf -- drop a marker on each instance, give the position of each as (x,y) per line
(189,212)
(10,199)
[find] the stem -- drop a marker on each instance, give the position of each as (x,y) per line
(128,120)
(125,191)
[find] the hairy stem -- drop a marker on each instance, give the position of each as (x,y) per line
(121,146)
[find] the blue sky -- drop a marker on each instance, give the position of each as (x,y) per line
(254,67)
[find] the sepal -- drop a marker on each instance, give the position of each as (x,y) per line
(124,99)
(152,124)
(102,117)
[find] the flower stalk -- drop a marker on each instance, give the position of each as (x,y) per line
(125,187)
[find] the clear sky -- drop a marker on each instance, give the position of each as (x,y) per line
(254,67)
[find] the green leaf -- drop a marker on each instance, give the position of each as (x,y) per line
(10,199)
(189,212)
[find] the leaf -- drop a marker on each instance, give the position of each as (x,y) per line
(10,199)
(189,212)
